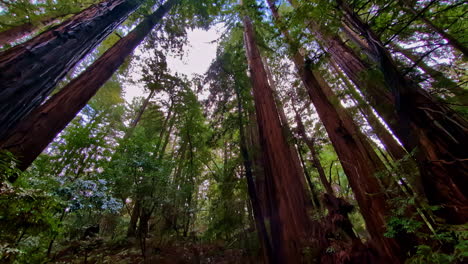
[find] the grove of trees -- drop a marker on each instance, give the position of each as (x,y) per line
(324,131)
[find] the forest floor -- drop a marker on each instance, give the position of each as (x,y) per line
(96,251)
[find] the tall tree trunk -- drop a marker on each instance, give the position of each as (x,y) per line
(138,116)
(357,157)
(437,133)
(287,130)
(39,128)
(30,71)
(143,226)
(338,208)
(256,206)
(289,221)
(253,145)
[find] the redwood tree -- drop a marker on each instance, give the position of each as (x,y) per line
(435,132)
(38,129)
(358,159)
(289,219)
(30,71)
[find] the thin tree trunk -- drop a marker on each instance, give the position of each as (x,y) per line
(437,133)
(163,130)
(315,159)
(391,145)
(450,39)
(357,157)
(440,79)
(315,197)
(30,71)
(142,109)
(289,219)
(131,231)
(39,128)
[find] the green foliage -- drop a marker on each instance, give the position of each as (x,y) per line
(179,163)
(27,212)
(439,255)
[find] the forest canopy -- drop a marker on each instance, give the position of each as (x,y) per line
(323,131)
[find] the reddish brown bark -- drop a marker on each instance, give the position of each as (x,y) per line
(357,157)
(434,131)
(337,220)
(39,128)
(13,34)
(287,130)
(421,123)
(289,220)
(259,217)
(30,71)
(20,31)
(257,166)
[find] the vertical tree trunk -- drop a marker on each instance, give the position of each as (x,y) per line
(30,71)
(437,133)
(39,128)
(357,157)
(131,231)
(287,130)
(253,145)
(359,162)
(315,197)
(256,206)
(290,221)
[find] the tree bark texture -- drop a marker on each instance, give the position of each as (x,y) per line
(15,33)
(287,131)
(39,128)
(290,221)
(359,160)
(30,71)
(256,206)
(438,135)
